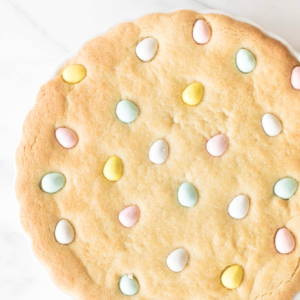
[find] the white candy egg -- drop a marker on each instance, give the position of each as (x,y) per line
(159,151)
(239,207)
(146,49)
(177,260)
(64,232)
(271,125)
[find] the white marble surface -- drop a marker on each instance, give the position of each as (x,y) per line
(37,34)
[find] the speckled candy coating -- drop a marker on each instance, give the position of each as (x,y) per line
(85,97)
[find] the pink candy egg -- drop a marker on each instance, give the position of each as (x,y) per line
(295,78)
(284,241)
(66,137)
(217,145)
(201,32)
(129,216)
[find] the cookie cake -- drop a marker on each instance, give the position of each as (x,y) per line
(163,162)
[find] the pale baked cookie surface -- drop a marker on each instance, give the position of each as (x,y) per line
(195,156)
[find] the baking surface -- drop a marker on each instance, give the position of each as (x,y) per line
(33,44)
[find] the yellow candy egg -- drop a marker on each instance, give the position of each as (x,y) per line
(232,276)
(113,168)
(74,73)
(193,93)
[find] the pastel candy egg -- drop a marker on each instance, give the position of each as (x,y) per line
(295,78)
(284,241)
(127,111)
(238,207)
(193,93)
(146,49)
(271,125)
(66,137)
(74,73)
(245,61)
(129,216)
(232,277)
(201,32)
(128,285)
(187,195)
(113,169)
(297,296)
(177,260)
(217,145)
(159,151)
(64,232)
(53,182)
(285,188)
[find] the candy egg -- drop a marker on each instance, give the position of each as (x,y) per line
(217,145)
(53,182)
(193,93)
(232,277)
(187,195)
(66,137)
(271,125)
(285,188)
(245,61)
(297,296)
(284,241)
(113,169)
(295,78)
(129,216)
(128,285)
(74,73)
(64,232)
(127,111)
(238,207)
(159,151)
(177,260)
(201,32)
(146,49)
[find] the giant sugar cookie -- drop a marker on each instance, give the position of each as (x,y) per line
(163,163)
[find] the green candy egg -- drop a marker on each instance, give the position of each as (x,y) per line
(128,285)
(53,182)
(285,188)
(187,195)
(127,111)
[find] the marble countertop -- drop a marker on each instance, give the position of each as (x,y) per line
(35,35)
